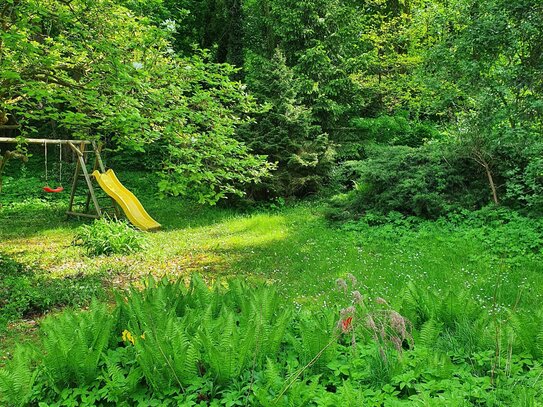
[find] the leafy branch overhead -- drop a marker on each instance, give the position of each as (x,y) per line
(95,70)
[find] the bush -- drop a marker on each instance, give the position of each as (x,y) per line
(524,185)
(427,181)
(395,130)
(109,237)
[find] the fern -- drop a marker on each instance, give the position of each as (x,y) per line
(418,304)
(165,354)
(539,341)
(228,349)
(157,319)
(73,345)
(526,333)
(121,377)
(429,333)
(314,333)
(455,307)
(274,378)
(17,378)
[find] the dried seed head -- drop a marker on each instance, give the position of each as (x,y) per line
(357,297)
(381,301)
(341,284)
(352,279)
(345,312)
(397,342)
(397,323)
(370,323)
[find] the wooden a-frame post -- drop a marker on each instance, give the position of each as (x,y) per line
(79,148)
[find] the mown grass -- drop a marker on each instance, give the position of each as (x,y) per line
(294,247)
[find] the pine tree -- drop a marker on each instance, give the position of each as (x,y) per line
(286,131)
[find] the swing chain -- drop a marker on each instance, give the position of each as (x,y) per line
(46,164)
(46,179)
(60,163)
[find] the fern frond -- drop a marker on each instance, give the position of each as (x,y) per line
(17,378)
(74,344)
(429,333)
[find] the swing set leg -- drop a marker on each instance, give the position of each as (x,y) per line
(81,166)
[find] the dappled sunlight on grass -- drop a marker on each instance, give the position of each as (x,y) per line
(209,249)
(294,248)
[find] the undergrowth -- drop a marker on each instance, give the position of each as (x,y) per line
(26,291)
(106,237)
(236,344)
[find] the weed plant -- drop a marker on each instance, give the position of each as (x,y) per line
(106,237)
(28,292)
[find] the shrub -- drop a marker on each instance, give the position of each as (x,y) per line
(427,181)
(394,130)
(109,237)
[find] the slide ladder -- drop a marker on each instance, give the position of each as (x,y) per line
(132,207)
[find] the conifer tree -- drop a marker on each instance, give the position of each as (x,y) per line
(286,131)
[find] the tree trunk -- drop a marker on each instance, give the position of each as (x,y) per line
(491,183)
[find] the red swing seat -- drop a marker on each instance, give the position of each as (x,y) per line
(47,188)
(53,190)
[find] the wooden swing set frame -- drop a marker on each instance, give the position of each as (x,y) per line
(79,147)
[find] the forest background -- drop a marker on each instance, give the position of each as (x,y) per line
(429,105)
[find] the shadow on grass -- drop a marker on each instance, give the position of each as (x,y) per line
(29,219)
(25,210)
(28,292)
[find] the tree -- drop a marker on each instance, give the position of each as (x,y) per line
(286,131)
(91,69)
(488,56)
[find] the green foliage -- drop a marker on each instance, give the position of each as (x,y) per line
(26,291)
(118,79)
(169,343)
(18,379)
(106,237)
(73,344)
(394,130)
(420,181)
(315,332)
(286,131)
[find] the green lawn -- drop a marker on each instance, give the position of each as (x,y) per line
(294,247)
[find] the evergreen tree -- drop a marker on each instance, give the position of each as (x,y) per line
(286,131)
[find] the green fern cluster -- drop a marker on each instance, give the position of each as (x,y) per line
(18,378)
(161,340)
(456,322)
(238,344)
(73,345)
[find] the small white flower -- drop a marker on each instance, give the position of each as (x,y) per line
(137,65)
(170,25)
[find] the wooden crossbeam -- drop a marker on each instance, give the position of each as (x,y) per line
(42,141)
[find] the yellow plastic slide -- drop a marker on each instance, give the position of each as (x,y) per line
(131,206)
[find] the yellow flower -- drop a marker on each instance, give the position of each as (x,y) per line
(127,337)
